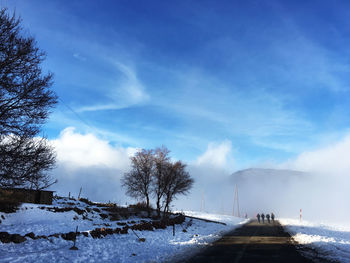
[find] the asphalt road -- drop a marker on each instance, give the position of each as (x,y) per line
(254,242)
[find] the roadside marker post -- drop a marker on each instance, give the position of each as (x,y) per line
(75,239)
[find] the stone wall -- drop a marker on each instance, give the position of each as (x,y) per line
(25,196)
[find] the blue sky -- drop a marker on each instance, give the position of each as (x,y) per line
(269,78)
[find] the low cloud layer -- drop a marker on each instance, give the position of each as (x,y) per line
(86,161)
(322,193)
(326,192)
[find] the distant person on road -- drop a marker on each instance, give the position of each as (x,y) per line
(273,217)
(258,216)
(263,217)
(268,218)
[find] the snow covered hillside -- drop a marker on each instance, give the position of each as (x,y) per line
(44,233)
(331,241)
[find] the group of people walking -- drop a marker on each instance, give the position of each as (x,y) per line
(262,216)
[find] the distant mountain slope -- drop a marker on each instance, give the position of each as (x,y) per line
(260,174)
(271,190)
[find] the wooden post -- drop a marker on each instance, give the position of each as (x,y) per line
(141,239)
(81,188)
(75,239)
(173,229)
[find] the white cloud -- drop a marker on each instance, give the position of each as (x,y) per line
(84,160)
(211,171)
(332,159)
(86,150)
(217,155)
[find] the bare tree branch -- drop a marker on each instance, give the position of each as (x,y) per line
(177,182)
(25,103)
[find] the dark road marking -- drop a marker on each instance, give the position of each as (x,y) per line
(241,253)
(231,240)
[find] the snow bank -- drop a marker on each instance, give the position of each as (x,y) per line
(331,241)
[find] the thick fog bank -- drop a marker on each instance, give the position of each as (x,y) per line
(321,197)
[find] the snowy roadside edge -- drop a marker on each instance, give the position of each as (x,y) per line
(324,247)
(190,251)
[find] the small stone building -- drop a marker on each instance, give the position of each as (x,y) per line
(26,196)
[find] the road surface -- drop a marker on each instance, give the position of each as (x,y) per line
(255,243)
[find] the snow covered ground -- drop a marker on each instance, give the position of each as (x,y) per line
(160,244)
(331,241)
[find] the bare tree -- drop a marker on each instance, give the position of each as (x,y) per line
(25,162)
(161,165)
(153,172)
(177,181)
(25,102)
(41,158)
(138,181)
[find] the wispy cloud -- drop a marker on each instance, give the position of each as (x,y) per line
(66,118)
(128,91)
(206,101)
(80,57)
(306,59)
(307,64)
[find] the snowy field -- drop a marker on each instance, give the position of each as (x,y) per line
(331,241)
(160,245)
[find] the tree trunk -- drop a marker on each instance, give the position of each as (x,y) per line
(166,209)
(158,206)
(164,212)
(147,205)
